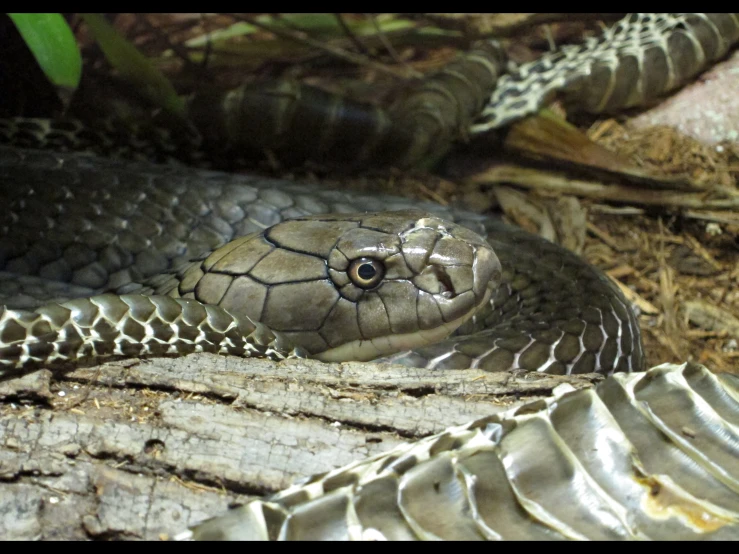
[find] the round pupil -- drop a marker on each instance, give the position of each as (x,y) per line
(366,271)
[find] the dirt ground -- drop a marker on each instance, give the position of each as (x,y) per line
(684,265)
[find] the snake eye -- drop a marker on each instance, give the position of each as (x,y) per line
(366,273)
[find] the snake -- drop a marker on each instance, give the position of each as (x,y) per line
(476,96)
(103,258)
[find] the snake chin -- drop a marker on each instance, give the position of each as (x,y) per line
(364,350)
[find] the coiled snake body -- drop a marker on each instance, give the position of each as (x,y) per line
(353,285)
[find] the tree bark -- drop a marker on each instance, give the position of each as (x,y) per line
(141,449)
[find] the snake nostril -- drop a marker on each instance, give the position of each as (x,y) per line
(446,288)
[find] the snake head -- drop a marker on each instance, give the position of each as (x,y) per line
(352,286)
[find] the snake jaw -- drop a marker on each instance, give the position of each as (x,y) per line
(365,350)
(436,279)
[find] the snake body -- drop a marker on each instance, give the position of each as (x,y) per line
(642,57)
(642,456)
(143,224)
(172,260)
(634,63)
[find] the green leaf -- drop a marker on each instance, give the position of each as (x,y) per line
(134,66)
(53,45)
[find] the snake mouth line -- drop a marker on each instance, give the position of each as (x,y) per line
(368,349)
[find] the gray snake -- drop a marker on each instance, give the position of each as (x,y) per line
(153,230)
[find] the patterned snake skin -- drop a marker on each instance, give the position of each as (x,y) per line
(643,456)
(641,58)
